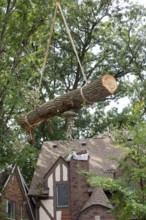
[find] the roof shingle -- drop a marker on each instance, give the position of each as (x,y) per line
(98,197)
(100,151)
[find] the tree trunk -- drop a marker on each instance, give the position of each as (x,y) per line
(76,99)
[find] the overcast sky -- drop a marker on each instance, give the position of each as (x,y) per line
(143,2)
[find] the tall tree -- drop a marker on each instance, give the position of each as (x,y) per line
(109,38)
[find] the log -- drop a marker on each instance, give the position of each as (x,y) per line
(76,99)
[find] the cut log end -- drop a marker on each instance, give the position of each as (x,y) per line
(109,82)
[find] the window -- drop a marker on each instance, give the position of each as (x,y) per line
(62,195)
(10,209)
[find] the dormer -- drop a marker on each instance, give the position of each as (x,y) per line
(57,181)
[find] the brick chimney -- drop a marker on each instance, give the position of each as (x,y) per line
(78,185)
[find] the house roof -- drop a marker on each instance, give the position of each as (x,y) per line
(60,158)
(100,151)
(98,197)
(30,202)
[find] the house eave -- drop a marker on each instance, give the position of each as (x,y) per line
(40,196)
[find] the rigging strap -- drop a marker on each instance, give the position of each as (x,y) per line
(72,42)
(49,42)
(47,49)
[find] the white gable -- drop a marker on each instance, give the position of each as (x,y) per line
(65,173)
(50,185)
(58,173)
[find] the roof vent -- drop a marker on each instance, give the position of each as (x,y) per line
(83,143)
(54,146)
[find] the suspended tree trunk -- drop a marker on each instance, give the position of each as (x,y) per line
(76,99)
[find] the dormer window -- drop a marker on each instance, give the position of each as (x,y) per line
(62,195)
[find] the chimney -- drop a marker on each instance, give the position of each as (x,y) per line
(78,185)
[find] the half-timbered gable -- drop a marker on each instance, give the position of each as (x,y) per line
(56,180)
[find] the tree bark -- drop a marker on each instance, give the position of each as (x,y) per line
(76,99)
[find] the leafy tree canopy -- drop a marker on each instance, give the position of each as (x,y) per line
(128,188)
(110,38)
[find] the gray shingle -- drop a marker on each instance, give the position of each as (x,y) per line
(99,149)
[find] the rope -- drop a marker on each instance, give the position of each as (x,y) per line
(84,98)
(47,49)
(30,126)
(72,42)
(26,120)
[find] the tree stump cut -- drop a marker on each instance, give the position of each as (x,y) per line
(76,99)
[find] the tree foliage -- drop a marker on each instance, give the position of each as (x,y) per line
(129,186)
(110,38)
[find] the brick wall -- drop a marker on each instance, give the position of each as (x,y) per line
(78,187)
(91,212)
(13,192)
(66,214)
